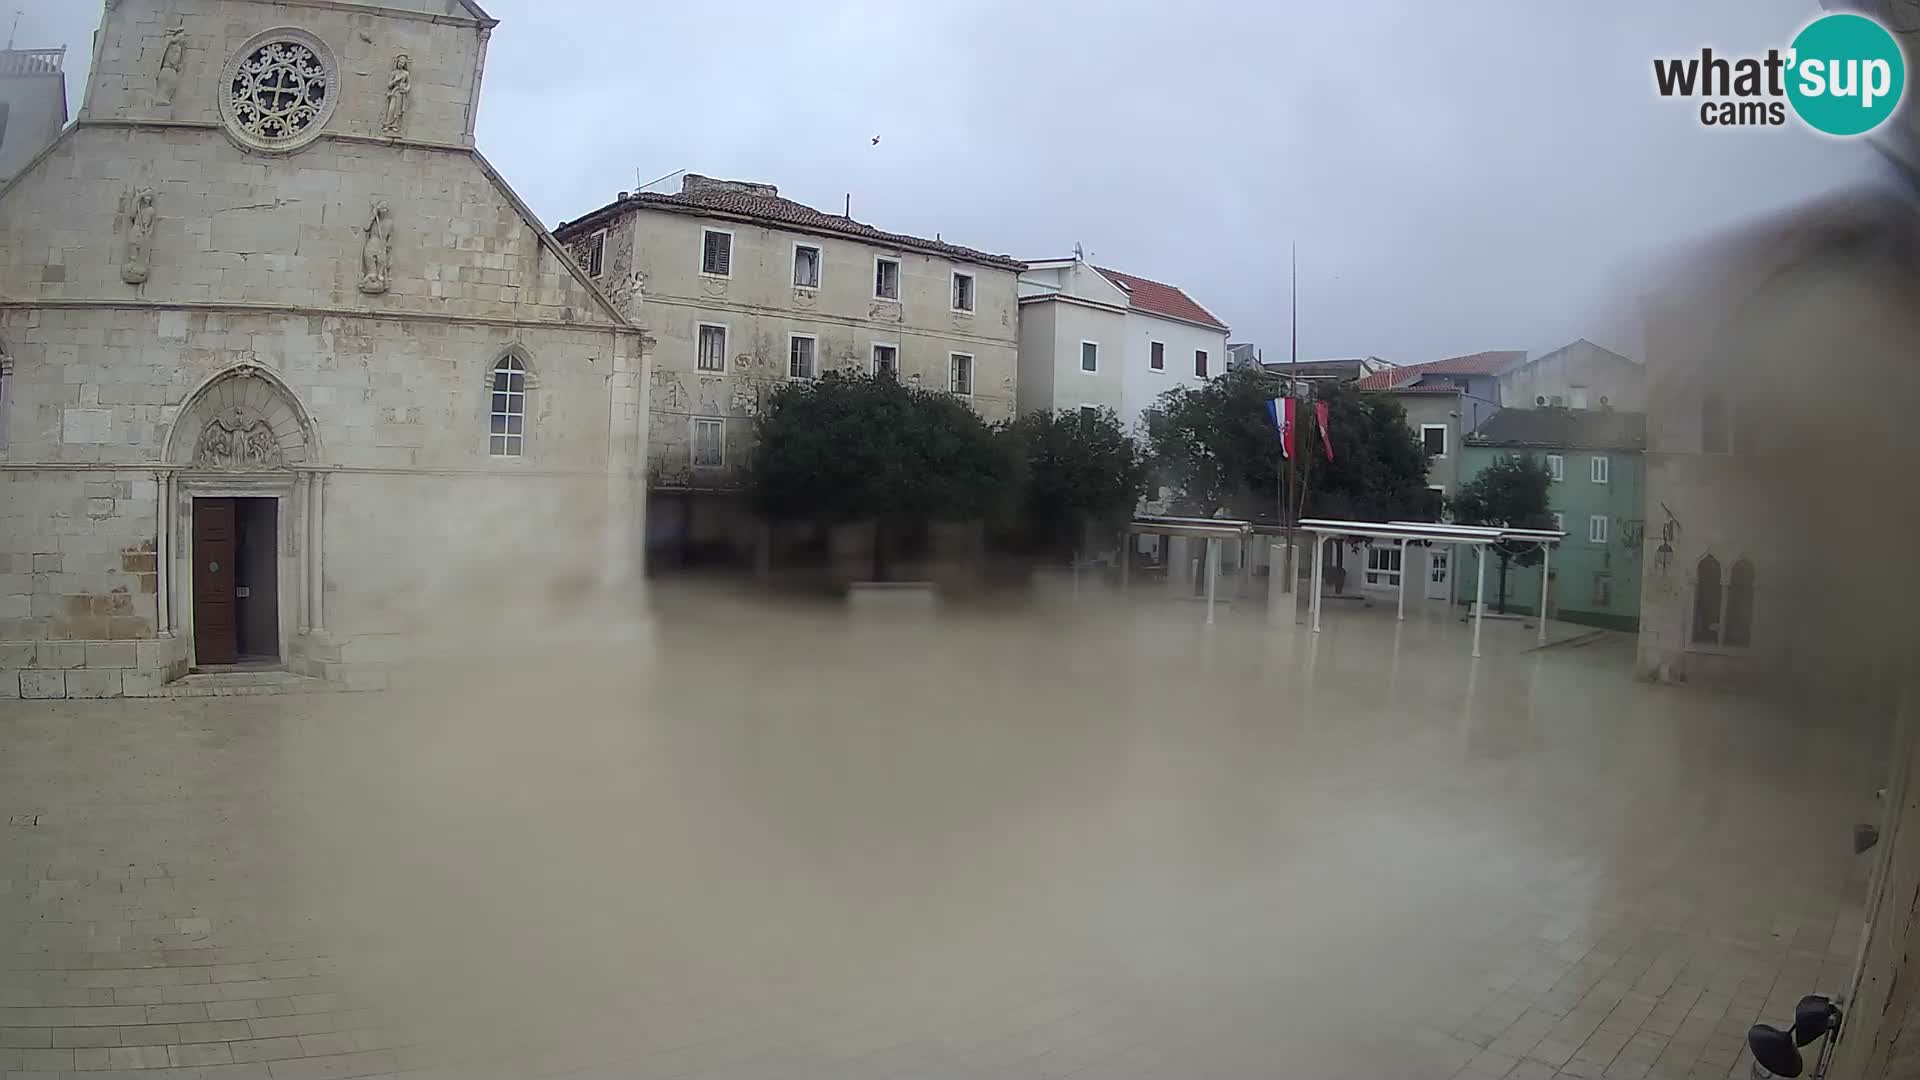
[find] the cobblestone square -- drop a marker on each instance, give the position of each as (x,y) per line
(782,841)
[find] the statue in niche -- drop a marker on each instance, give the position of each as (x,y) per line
(167,83)
(237,441)
(376,257)
(139,238)
(399,85)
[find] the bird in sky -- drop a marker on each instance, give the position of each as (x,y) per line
(876,140)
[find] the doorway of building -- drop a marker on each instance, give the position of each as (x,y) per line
(1439,572)
(236,610)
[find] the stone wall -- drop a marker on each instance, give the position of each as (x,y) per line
(444,47)
(373,393)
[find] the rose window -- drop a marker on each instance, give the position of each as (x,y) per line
(279,90)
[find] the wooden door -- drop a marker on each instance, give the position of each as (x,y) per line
(216,636)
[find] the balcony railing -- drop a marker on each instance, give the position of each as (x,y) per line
(32,61)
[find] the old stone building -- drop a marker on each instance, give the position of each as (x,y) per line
(292,376)
(744,290)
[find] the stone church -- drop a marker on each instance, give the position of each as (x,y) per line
(292,379)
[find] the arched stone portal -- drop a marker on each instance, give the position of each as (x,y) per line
(242,539)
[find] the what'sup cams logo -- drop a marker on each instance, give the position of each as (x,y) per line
(1843,75)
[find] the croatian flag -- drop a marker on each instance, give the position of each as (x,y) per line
(1280,415)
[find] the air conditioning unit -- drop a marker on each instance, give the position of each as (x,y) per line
(1604,401)
(1539,399)
(1558,401)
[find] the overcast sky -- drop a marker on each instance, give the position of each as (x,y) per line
(1461,176)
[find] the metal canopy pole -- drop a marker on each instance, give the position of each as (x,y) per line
(1403,581)
(1479,598)
(1319,559)
(1213,574)
(1546,567)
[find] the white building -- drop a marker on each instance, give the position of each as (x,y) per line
(1094,337)
(33,104)
(288,375)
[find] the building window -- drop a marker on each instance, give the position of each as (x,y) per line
(960,373)
(1557,466)
(1738,624)
(806,266)
(1708,601)
(800,356)
(1723,612)
(1576,397)
(1383,565)
(278,90)
(1434,437)
(1200,362)
(6,395)
(1713,425)
(591,253)
(1603,590)
(716,252)
(886,278)
(1599,468)
(962,292)
(1089,413)
(507,433)
(709,442)
(1597,529)
(886,360)
(1157,356)
(1089,356)
(713,348)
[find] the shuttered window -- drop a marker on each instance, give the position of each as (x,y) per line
(716,253)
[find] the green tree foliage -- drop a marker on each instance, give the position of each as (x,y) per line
(1511,493)
(1214,448)
(848,448)
(1074,470)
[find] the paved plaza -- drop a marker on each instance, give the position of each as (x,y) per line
(778,841)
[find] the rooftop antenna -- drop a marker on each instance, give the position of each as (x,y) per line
(848,214)
(1079,253)
(15,30)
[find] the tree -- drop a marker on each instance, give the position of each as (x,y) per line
(1214,447)
(865,448)
(1076,470)
(1510,493)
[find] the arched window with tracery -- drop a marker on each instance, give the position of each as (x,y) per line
(507,432)
(1706,601)
(1737,629)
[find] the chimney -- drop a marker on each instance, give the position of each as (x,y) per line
(695,184)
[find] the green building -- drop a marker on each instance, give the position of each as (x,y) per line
(1597,497)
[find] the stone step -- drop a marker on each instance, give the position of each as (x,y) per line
(244,683)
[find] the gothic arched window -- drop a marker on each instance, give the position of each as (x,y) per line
(1737,629)
(1706,602)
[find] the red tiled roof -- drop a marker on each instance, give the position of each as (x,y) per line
(1159,298)
(776,210)
(1480,363)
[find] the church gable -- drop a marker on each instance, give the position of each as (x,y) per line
(186,217)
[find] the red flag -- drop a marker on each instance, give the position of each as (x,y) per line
(1326,438)
(1286,426)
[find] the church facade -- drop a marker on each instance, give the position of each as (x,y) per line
(291,378)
